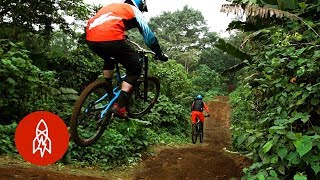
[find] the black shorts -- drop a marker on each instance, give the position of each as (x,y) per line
(122,52)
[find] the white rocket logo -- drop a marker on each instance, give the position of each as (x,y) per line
(42,142)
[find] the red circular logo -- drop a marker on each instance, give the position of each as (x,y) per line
(42,138)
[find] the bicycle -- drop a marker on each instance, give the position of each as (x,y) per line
(197,130)
(92,109)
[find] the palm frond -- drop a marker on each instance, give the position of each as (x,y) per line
(262,12)
(254,10)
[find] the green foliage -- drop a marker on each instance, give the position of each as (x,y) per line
(207,82)
(175,83)
(230,49)
(121,144)
(26,88)
(6,139)
(74,62)
(22,81)
(242,115)
(276,112)
(169,116)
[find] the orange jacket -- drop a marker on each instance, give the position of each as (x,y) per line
(111,22)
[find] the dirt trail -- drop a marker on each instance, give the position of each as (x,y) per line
(200,161)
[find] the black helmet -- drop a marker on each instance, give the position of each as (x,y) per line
(140,4)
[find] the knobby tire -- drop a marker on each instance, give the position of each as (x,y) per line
(152,81)
(74,122)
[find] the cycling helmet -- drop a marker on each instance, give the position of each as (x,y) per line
(140,4)
(199,97)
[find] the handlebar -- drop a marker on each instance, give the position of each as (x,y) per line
(140,49)
(207,115)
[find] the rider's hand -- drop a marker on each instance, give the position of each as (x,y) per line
(161,57)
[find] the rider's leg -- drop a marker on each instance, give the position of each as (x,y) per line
(107,74)
(194,117)
(130,80)
(201,117)
(193,120)
(102,50)
(129,59)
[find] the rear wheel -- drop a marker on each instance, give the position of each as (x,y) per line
(86,127)
(194,133)
(144,97)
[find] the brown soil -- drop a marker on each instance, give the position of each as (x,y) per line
(208,160)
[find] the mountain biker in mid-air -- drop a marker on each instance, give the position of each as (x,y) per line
(197,108)
(105,35)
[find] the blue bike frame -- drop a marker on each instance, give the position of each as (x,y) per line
(116,93)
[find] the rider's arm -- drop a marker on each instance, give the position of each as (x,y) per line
(206,107)
(148,36)
(192,106)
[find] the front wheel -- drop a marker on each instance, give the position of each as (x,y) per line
(86,127)
(201,132)
(144,97)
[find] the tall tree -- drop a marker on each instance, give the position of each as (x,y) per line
(41,16)
(182,33)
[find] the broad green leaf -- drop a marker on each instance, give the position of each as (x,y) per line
(291,65)
(11,81)
(282,152)
(252,2)
(293,157)
(303,116)
(315,101)
(302,5)
(303,145)
(284,114)
(267,146)
(316,167)
(300,176)
(291,135)
(301,71)
(241,139)
(277,129)
(274,159)
(300,51)
(250,140)
(290,4)
(273,173)
(301,61)
(318,145)
(261,177)
(316,54)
